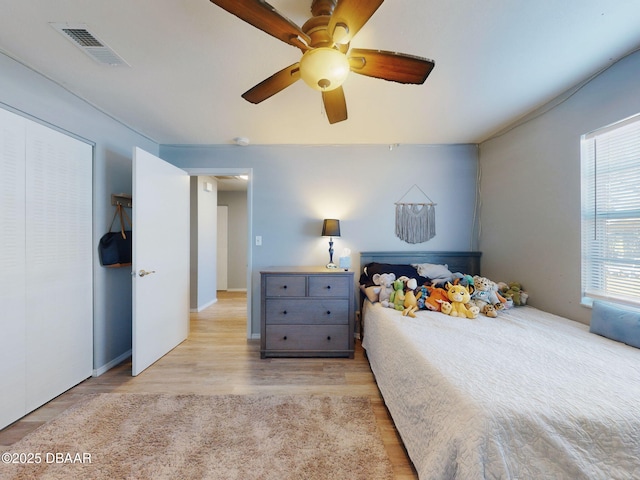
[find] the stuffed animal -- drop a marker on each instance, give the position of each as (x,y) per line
(397,296)
(458,297)
(446,308)
(422,296)
(485,296)
(385,282)
(514,293)
(464,280)
(437,296)
(489,310)
(475,311)
(502,289)
(410,300)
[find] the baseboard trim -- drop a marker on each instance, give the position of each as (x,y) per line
(203,307)
(108,366)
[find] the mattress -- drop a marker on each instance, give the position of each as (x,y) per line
(527,395)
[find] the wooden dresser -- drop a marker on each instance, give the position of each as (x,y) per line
(306,312)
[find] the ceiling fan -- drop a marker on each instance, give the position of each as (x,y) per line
(326,59)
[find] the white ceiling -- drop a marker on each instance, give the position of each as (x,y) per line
(189,62)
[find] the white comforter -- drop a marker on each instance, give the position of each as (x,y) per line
(527,395)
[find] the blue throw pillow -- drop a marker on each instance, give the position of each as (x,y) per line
(616,322)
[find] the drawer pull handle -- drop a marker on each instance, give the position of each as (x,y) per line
(328,287)
(329,338)
(285,337)
(284,313)
(328,312)
(284,286)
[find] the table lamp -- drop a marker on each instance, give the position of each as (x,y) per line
(331,228)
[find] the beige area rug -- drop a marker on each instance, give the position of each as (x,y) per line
(148,436)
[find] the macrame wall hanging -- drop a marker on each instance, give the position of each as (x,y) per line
(415,222)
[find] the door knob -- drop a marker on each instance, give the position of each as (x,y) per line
(143,273)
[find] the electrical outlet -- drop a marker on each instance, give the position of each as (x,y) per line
(258,241)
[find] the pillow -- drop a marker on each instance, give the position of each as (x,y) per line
(372,293)
(616,322)
(434,271)
(398,269)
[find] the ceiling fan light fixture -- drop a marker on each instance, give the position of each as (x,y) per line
(324,68)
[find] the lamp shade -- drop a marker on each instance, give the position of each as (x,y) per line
(331,227)
(324,68)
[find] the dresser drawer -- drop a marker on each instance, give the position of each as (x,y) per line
(286,286)
(306,312)
(309,310)
(307,337)
(329,286)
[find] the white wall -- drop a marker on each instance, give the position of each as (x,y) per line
(530,191)
(295,187)
(204,227)
(23,90)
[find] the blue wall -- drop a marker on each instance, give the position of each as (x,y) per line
(295,187)
(530,189)
(25,91)
(530,192)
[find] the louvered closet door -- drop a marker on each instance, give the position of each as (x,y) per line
(12,268)
(59,263)
(46,262)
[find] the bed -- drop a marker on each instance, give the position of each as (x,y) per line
(526,395)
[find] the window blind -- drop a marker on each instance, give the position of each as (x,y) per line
(610,164)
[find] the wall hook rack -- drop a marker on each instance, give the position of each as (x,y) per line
(123,199)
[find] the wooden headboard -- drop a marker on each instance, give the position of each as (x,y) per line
(464,262)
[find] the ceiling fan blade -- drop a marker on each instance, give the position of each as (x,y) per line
(353,14)
(274,84)
(397,67)
(266,18)
(335,105)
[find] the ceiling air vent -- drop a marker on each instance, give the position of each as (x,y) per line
(86,41)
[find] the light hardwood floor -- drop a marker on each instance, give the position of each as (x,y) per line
(218,359)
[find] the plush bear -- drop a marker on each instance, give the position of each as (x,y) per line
(397,296)
(485,296)
(410,300)
(385,282)
(459,298)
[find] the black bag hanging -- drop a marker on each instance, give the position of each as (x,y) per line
(115,248)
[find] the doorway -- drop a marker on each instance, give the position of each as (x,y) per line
(236,172)
(232,234)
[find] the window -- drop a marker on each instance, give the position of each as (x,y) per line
(610,160)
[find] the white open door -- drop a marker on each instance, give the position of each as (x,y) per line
(160,264)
